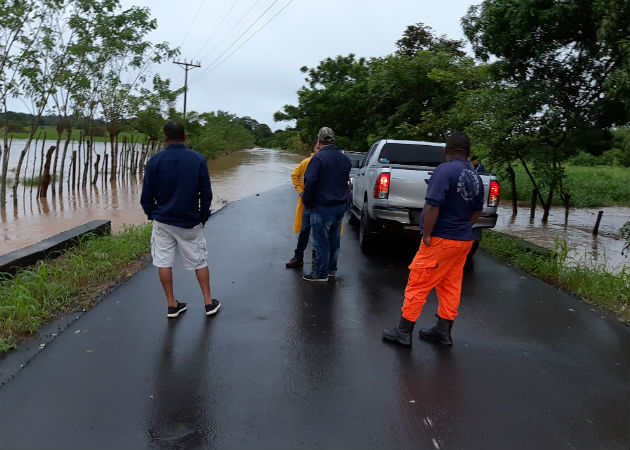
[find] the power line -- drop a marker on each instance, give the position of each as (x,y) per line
(211,68)
(191,23)
(170,71)
(243,33)
(239,37)
(232,29)
(217,28)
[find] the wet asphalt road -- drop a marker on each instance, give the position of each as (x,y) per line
(289,364)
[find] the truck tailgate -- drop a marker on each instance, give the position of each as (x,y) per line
(408,186)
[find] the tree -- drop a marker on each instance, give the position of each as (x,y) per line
(261,131)
(569,60)
(335,95)
(21,25)
(411,98)
(151,107)
(41,69)
(404,95)
(128,56)
(420,37)
(216,132)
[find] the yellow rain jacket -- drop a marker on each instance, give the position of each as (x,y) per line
(297,177)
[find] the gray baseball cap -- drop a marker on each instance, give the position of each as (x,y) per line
(325,135)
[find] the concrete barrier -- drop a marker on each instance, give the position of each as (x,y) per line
(52,246)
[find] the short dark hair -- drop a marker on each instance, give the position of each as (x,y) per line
(174,131)
(458,142)
(474,158)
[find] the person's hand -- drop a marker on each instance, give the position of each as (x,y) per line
(427,240)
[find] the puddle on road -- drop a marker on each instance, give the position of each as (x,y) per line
(233,176)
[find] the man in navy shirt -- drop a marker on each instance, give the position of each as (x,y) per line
(453,202)
(176,195)
(325,196)
(477,164)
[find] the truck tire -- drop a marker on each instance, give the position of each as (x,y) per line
(474,248)
(366,237)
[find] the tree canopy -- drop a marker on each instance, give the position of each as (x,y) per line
(551,81)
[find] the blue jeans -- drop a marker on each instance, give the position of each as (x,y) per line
(305,231)
(326,229)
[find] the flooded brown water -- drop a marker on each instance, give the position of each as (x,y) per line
(233,176)
(248,172)
(583,247)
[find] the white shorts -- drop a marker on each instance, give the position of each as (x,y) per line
(166,239)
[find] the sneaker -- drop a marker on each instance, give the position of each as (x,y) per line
(213,307)
(332,275)
(174,311)
(312,277)
(294,262)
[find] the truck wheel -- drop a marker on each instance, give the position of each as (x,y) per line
(474,248)
(365,230)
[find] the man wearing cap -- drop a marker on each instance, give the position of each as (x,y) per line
(325,196)
(477,164)
(453,202)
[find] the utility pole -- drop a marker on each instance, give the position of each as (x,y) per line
(186,66)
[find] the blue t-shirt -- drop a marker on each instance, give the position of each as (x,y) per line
(457,189)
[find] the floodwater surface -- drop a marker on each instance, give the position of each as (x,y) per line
(248,172)
(597,251)
(233,176)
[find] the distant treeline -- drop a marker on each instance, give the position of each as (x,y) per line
(18,122)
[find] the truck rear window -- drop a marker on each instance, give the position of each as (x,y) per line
(412,154)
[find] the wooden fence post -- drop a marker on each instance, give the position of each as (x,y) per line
(532,212)
(98,159)
(599,219)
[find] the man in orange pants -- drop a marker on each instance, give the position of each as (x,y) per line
(453,203)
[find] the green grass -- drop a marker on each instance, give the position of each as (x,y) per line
(597,286)
(51,135)
(74,280)
(589,186)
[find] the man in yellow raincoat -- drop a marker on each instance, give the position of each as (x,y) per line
(302,223)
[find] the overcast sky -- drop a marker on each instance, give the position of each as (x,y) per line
(256,77)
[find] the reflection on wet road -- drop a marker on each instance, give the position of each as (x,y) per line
(288,364)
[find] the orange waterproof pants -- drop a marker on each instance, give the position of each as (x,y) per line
(439,266)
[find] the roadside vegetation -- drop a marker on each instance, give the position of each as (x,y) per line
(597,286)
(590,187)
(533,134)
(71,282)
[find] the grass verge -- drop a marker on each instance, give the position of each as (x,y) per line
(596,286)
(73,281)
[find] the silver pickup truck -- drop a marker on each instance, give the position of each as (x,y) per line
(389,187)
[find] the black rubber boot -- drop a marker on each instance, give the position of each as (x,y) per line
(402,334)
(441,332)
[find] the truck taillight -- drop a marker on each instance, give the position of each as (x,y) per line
(495,193)
(381,188)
